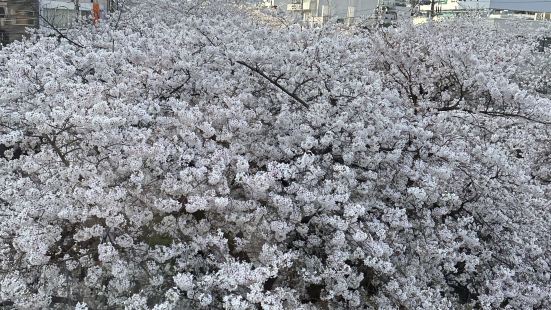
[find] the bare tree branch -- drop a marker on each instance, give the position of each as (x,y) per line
(275,83)
(61,35)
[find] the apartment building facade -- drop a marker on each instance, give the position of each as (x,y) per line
(15,17)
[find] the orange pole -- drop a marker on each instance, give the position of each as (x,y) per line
(95,11)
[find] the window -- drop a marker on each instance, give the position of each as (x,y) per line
(4,39)
(2,12)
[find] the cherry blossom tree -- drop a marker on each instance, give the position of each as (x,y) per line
(186,155)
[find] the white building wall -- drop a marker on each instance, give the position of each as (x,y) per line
(335,8)
(317,12)
(339,8)
(281,3)
(459,5)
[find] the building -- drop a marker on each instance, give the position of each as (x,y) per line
(318,12)
(62,14)
(15,17)
(454,6)
(524,6)
(275,3)
(537,10)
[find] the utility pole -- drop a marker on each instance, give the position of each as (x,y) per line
(432,5)
(414,6)
(114,5)
(77,9)
(302,13)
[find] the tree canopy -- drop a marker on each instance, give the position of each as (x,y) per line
(186,156)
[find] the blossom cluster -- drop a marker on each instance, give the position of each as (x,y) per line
(187,156)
